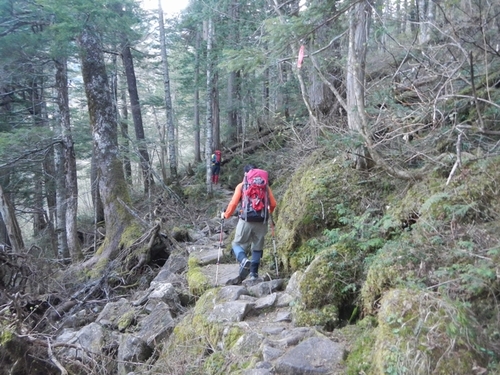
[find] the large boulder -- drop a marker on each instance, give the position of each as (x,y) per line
(420,332)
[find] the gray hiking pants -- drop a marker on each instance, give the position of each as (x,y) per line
(249,235)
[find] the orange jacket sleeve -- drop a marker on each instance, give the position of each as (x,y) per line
(272,201)
(235,200)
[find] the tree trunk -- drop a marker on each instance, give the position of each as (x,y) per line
(233,84)
(172,152)
(49,173)
(215,112)
(359,18)
(70,199)
(112,183)
(39,217)
(161,126)
(265,97)
(135,108)
(127,166)
(4,236)
(366,155)
(94,188)
(9,218)
(196,104)
(425,18)
(232,113)
(61,208)
(40,221)
(293,8)
(121,113)
(46,189)
(282,100)
(209,125)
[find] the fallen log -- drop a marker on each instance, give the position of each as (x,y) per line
(235,151)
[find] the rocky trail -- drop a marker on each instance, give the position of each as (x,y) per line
(130,328)
(263,309)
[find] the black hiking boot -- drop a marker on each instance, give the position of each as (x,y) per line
(244,269)
(234,281)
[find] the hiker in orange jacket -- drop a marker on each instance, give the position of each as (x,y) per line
(250,232)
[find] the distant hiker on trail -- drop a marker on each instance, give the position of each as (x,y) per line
(256,202)
(216,159)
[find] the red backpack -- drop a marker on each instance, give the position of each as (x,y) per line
(255,202)
(216,157)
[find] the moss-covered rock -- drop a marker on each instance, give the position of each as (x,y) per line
(394,263)
(308,203)
(10,343)
(192,341)
(420,332)
(318,285)
(180,234)
(447,244)
(329,284)
(126,320)
(198,346)
(197,281)
(359,360)
(20,356)
(331,277)
(327,316)
(314,200)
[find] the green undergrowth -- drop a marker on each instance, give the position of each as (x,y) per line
(331,283)
(334,263)
(324,195)
(448,255)
(362,338)
(435,241)
(472,196)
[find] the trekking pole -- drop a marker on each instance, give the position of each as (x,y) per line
(274,246)
(219,251)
